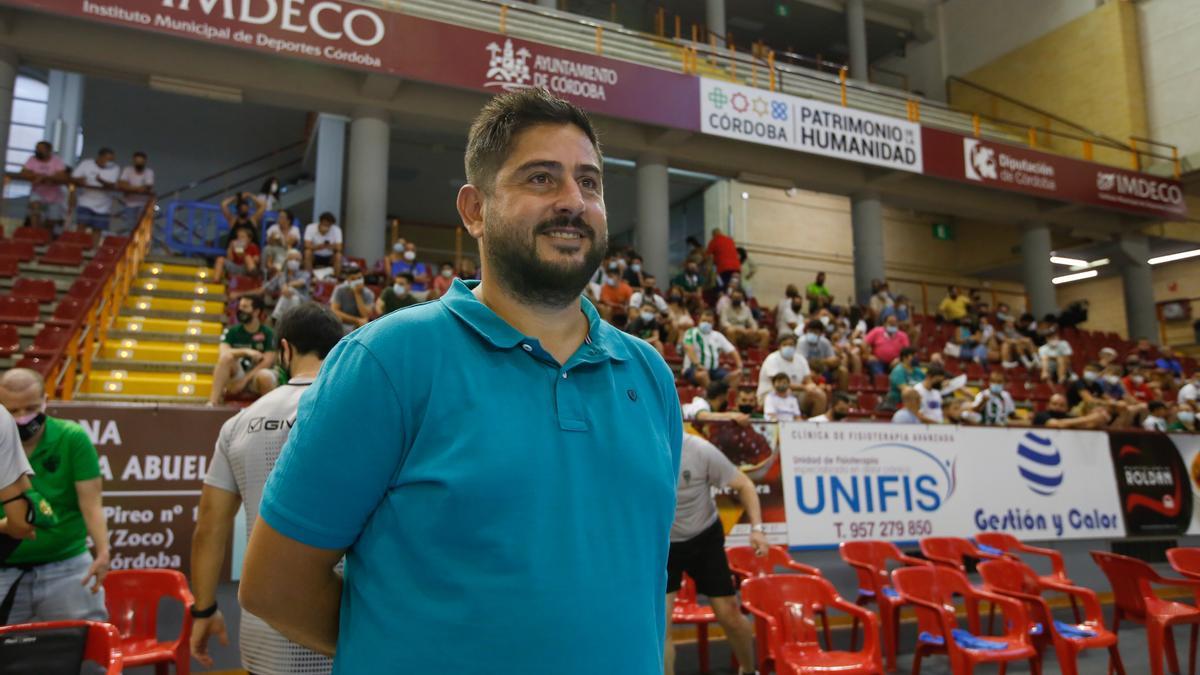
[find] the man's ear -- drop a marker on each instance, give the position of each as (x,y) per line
(470,205)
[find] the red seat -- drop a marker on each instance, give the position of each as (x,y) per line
(1018,581)
(68,311)
(84,239)
(21,250)
(42,290)
(1135,599)
(9,267)
(10,340)
(975,371)
(1042,391)
(1012,546)
(869,559)
(107,254)
(20,311)
(1186,561)
(746,565)
(132,598)
(859,382)
(114,241)
(241,283)
(950,551)
(84,289)
(36,235)
(868,401)
(882,385)
(100,648)
(40,364)
(931,591)
(59,253)
(50,341)
(687,610)
(322,291)
(95,270)
(783,606)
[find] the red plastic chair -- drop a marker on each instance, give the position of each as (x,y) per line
(1011,546)
(95,270)
(881,384)
(9,267)
(746,565)
(869,559)
(42,290)
(107,253)
(1186,561)
(102,647)
(36,235)
(84,239)
(39,364)
(19,311)
(688,610)
(1134,599)
(114,241)
(1018,581)
(132,597)
(59,253)
(867,401)
(931,591)
(49,341)
(10,340)
(858,382)
(949,552)
(241,283)
(84,289)
(67,311)
(783,605)
(21,250)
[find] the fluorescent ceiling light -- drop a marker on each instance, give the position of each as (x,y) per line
(1059,260)
(1079,276)
(1174,256)
(1090,265)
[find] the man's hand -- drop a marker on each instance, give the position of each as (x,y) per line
(252,354)
(202,630)
(98,570)
(741,418)
(758,540)
(361,321)
(17,533)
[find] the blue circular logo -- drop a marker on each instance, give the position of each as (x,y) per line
(1040,464)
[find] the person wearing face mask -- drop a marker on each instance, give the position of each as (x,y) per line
(1135,384)
(1156,419)
(818,294)
(789,313)
(818,350)
(282,236)
(405,262)
(881,299)
(290,287)
(244,456)
(884,344)
(635,272)
(1058,416)
(242,255)
(954,306)
(904,375)
(713,406)
(615,294)
(1185,419)
(1087,388)
(691,282)
(53,576)
(269,193)
(785,361)
(246,356)
(995,404)
(739,325)
(1055,357)
(679,319)
(1190,391)
(747,402)
(352,301)
(647,296)
(780,403)
(646,325)
(442,282)
(396,296)
(703,347)
(323,244)
(48,174)
(838,412)
(930,391)
(95,178)
(137,184)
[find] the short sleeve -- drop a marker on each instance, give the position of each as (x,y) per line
(323,489)
(309,234)
(13,462)
(720,471)
(149,180)
(85,462)
(29,163)
(220,470)
(1066,350)
(335,234)
(80,171)
(726,346)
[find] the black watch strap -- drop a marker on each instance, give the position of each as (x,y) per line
(203,613)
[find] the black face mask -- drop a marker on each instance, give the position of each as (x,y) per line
(838,416)
(244,317)
(676,298)
(747,408)
(737,303)
(32,427)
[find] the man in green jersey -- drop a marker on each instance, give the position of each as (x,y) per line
(246,361)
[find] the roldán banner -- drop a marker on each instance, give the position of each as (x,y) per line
(1152,474)
(901,483)
(1009,167)
(760,116)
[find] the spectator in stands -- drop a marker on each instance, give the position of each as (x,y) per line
(1075,314)
(1190,391)
(246,356)
(442,282)
(818,350)
(884,344)
(723,252)
(647,295)
(95,178)
(966,343)
(136,182)
(691,283)
(780,403)
(786,361)
(679,319)
(1015,348)
(290,287)
(904,374)
(407,263)
(849,348)
(47,172)
(713,406)
(1156,420)
(1107,356)
(646,324)
(242,255)
(954,306)
(634,272)
(245,454)
(615,293)
(957,412)
(1171,362)
(283,236)
(53,577)
(910,410)
(1087,388)
(1111,383)
(323,244)
(15,473)
(396,296)
(818,295)
(1143,350)
(1055,356)
(930,391)
(995,404)
(1027,326)
(243,210)
(739,325)
(747,402)
(789,313)
(902,310)
(1057,416)
(702,350)
(838,412)
(698,542)
(1185,419)
(1134,382)
(749,269)
(881,299)
(1003,313)
(269,193)
(352,301)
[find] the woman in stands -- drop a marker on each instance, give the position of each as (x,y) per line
(269,194)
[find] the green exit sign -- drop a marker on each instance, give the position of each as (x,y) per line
(943,232)
(781,9)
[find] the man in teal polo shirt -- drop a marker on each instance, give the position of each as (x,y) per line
(518,524)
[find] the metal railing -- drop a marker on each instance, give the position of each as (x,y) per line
(196,228)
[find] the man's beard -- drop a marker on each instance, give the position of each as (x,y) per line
(512,256)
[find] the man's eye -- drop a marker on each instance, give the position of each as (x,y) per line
(540,179)
(590,183)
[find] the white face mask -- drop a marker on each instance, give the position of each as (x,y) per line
(293,265)
(705,327)
(647,316)
(787,352)
(448,273)
(356,283)
(398,247)
(1187,416)
(811,338)
(400,289)
(825,320)
(410,255)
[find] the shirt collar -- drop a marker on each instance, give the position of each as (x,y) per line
(603,339)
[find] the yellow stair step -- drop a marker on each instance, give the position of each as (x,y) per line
(141,324)
(157,269)
(161,352)
(197,287)
(148,384)
(150,303)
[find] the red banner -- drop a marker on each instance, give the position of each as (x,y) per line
(1008,167)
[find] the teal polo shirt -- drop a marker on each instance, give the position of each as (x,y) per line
(501,513)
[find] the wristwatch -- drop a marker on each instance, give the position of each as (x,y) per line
(758,528)
(202,613)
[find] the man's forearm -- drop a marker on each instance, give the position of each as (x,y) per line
(97,526)
(208,554)
(748,496)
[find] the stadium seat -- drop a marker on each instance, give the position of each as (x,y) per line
(22,653)
(133,598)
(19,311)
(95,270)
(9,267)
(950,551)
(869,559)
(63,254)
(84,289)
(107,254)
(21,250)
(40,364)
(746,564)
(68,310)
(867,401)
(37,235)
(859,382)
(42,290)
(50,341)
(84,239)
(881,385)
(688,610)
(1011,546)
(10,340)
(240,283)
(114,241)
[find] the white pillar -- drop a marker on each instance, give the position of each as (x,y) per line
(8,79)
(652,233)
(331,159)
(64,113)
(715,16)
(856,38)
(365,226)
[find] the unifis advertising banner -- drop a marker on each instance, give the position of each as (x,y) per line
(901,483)
(794,123)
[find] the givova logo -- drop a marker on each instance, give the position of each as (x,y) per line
(979,161)
(884,478)
(1040,464)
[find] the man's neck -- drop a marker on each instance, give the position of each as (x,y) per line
(305,367)
(252,326)
(31,444)
(560,329)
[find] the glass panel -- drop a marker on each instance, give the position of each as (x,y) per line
(27,87)
(20,136)
(29,112)
(18,157)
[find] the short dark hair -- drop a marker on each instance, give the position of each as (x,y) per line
(256,301)
(351,269)
(781,376)
(717,389)
(787,337)
(907,352)
(139,153)
(936,371)
(48,144)
(286,212)
(504,118)
(105,151)
(407,276)
(815,326)
(1156,405)
(328,215)
(310,329)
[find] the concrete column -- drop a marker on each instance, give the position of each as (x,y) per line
(1138,288)
(652,234)
(331,160)
(365,227)
(1036,270)
(8,79)
(714,12)
(856,38)
(64,113)
(549,4)
(866,219)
